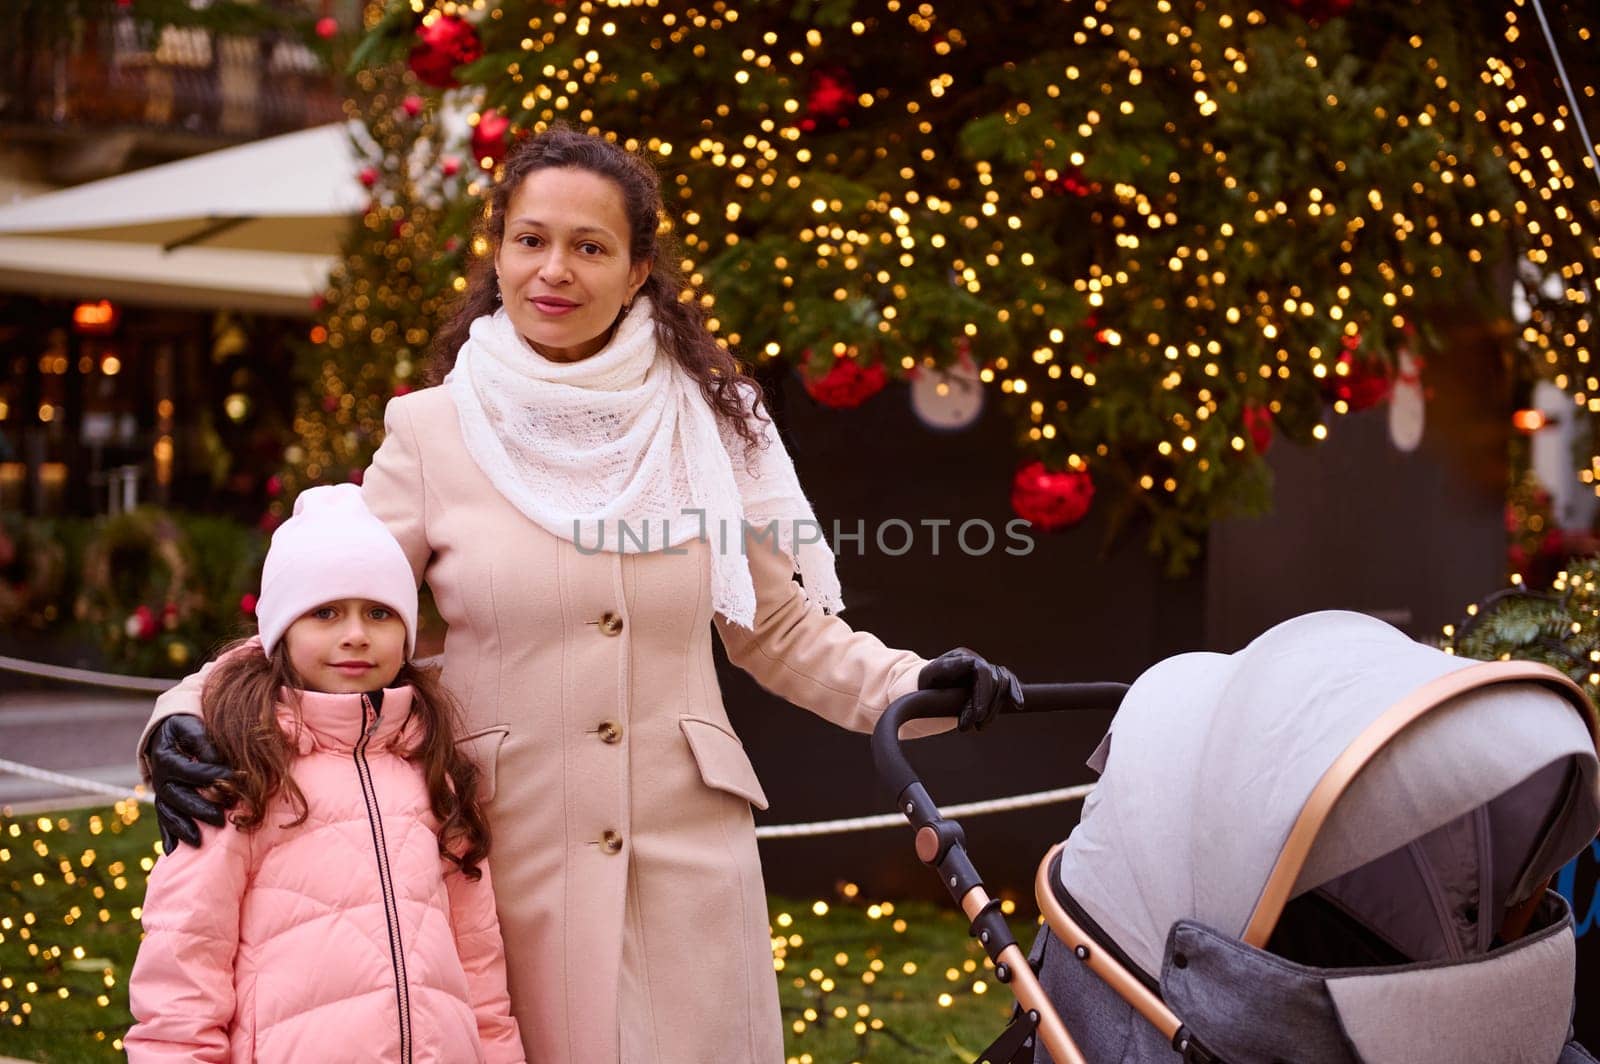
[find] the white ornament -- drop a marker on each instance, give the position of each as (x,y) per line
(1551,451)
(1407,405)
(947,400)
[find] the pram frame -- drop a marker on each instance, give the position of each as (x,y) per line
(940,843)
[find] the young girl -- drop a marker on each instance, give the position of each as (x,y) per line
(345,913)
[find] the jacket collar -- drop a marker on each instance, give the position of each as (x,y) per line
(336,723)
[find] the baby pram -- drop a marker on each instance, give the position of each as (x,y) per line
(1331,846)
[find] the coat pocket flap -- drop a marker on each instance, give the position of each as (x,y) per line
(722,760)
(483,747)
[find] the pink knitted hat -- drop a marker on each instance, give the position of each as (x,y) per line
(333,548)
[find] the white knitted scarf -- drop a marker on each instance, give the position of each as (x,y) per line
(621,452)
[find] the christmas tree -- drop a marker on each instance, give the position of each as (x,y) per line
(384,298)
(1164,232)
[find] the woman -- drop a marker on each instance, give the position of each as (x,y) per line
(577,494)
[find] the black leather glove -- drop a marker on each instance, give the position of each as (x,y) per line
(990,688)
(182,760)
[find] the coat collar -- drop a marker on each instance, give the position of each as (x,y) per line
(314,720)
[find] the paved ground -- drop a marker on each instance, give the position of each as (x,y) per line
(77,731)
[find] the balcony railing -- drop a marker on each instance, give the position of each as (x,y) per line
(115,73)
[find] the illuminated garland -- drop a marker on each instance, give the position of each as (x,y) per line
(854,976)
(1166,231)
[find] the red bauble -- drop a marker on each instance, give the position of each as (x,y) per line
(327,27)
(847,383)
(368,176)
(355,476)
(489,138)
(247,604)
(1049,500)
(442,45)
(412,105)
(1360,382)
(450,166)
(1073,182)
(829,98)
(274,486)
(144,623)
(1258,426)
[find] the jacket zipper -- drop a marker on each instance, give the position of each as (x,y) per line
(391,912)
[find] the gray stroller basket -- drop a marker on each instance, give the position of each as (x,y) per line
(1331,847)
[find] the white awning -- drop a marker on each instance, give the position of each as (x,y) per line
(250,227)
(273,282)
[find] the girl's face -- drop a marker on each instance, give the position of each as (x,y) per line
(347,646)
(564,264)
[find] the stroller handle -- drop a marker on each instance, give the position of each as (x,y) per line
(890,759)
(941,845)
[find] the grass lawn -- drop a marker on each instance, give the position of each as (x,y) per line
(874,982)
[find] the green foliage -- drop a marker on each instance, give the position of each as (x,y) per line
(1146,218)
(1559,627)
(384,299)
(70,889)
(160,591)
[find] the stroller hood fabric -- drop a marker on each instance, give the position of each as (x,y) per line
(1211,758)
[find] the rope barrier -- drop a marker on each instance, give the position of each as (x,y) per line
(76,783)
(767,831)
(85,676)
(889,820)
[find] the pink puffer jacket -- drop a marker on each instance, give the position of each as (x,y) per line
(344,938)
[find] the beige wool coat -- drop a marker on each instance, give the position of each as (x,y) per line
(625,867)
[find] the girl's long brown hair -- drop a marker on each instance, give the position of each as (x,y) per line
(240,705)
(680,323)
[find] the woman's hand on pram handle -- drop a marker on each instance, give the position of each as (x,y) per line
(991,689)
(182,761)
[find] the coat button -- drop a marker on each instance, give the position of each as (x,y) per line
(610,623)
(610,731)
(611,842)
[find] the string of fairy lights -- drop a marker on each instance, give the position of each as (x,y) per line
(1130,230)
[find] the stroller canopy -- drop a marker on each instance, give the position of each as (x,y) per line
(1211,758)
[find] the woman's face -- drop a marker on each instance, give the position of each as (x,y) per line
(564,262)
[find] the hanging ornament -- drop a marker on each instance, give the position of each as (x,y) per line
(442,45)
(141,624)
(412,105)
(1068,181)
(368,176)
(247,604)
(846,384)
(829,97)
(1051,501)
(1360,382)
(450,166)
(489,138)
(327,26)
(1258,426)
(1074,183)
(1407,403)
